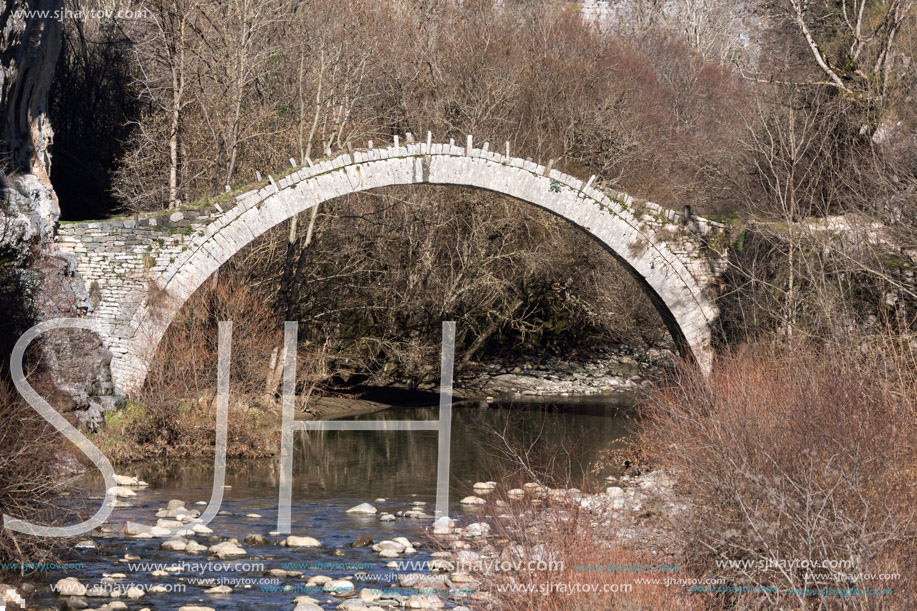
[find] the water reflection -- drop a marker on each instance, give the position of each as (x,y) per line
(364,465)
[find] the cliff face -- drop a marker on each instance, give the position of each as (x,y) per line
(39,282)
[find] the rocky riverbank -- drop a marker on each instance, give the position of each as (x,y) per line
(616,370)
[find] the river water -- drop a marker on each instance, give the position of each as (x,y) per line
(333,471)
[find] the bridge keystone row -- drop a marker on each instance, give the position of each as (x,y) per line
(139,271)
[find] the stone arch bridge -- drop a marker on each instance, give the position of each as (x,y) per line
(139,271)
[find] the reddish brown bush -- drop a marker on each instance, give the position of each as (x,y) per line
(798,453)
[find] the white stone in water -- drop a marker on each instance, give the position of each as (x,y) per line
(226,549)
(159,573)
(516,493)
(159,531)
(485,486)
(363,509)
(305,599)
(379,501)
(293,541)
(97,591)
(70,586)
(175,504)
(195,608)
(121,492)
(194,547)
(253,516)
(134,592)
(201,529)
(386,517)
(339,587)
(85,544)
(477,529)
(318,580)
(473,500)
(307,606)
(443,526)
(389,545)
(388,553)
(173,545)
(219,590)
(424,602)
(126,480)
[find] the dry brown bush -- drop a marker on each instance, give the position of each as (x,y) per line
(30,479)
(175,413)
(796,453)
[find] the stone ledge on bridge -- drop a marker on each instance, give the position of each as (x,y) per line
(139,270)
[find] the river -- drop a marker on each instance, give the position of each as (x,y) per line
(333,471)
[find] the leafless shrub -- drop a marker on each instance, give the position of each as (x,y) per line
(790,454)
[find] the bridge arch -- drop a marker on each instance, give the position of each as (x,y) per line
(141,271)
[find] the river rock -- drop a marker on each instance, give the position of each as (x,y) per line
(477,529)
(174,545)
(292,541)
(516,493)
(386,517)
(424,602)
(340,588)
(121,492)
(70,586)
(485,487)
(362,542)
(97,591)
(201,529)
(219,590)
(305,606)
(175,504)
(389,545)
(473,500)
(134,592)
(443,525)
(74,603)
(193,547)
(227,549)
(126,480)
(195,608)
(255,539)
(363,509)
(305,599)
